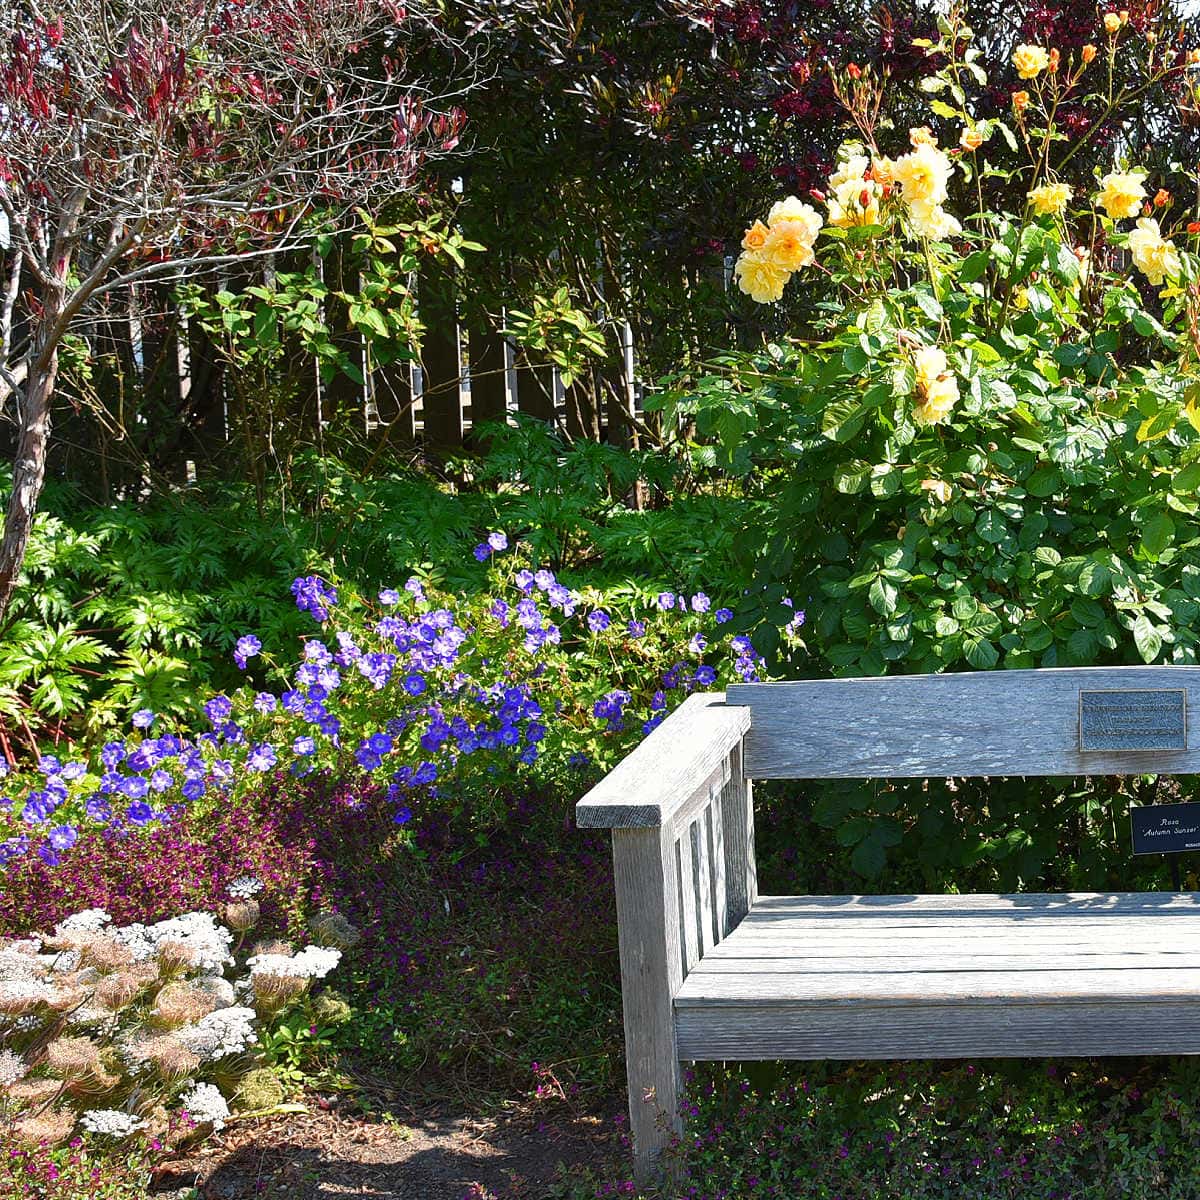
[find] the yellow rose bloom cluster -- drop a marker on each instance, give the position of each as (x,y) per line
(1050,198)
(1121,193)
(922,176)
(853,199)
(1030,61)
(1154,255)
(772,252)
(937,387)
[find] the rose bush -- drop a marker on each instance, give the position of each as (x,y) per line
(990,447)
(987,452)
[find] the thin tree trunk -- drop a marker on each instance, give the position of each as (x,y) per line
(29,469)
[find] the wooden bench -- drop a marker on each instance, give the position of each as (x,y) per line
(710,970)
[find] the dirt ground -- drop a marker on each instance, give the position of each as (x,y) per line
(320,1155)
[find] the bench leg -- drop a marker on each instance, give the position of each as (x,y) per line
(651,972)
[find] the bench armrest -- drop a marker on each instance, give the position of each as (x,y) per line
(665,770)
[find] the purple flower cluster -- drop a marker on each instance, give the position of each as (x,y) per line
(314,595)
(419,691)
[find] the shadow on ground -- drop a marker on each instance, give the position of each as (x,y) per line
(317,1156)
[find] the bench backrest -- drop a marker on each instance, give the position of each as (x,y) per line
(1069,721)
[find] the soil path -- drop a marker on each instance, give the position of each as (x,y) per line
(322,1155)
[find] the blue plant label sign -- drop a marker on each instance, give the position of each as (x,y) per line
(1165,828)
(1133,719)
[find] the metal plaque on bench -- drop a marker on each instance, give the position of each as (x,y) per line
(1133,719)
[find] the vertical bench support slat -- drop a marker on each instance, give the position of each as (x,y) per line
(702,882)
(716,866)
(689,918)
(648,928)
(737,817)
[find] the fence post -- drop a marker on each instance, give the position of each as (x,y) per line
(391,401)
(487,366)
(441,370)
(535,388)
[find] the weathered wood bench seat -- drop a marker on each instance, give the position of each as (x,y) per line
(712,971)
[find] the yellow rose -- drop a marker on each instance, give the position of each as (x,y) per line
(1030,61)
(922,135)
(794,209)
(1112,22)
(922,175)
(1121,193)
(931,221)
(852,168)
(854,203)
(759,279)
(1088,53)
(935,403)
(1050,198)
(853,199)
(971,139)
(755,237)
(789,245)
(1153,255)
(937,388)
(883,171)
(929,362)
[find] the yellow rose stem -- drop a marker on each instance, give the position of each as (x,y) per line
(1112,104)
(931,267)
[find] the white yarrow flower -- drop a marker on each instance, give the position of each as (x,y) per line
(15,965)
(313,962)
(204,1103)
(111,1122)
(225,1031)
(89,921)
(12,1067)
(20,991)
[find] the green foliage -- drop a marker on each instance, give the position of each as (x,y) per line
(559,331)
(299,1048)
(138,605)
(1050,520)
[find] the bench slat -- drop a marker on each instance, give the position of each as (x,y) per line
(1071,904)
(688,915)
(1083,949)
(1006,1030)
(911,960)
(970,723)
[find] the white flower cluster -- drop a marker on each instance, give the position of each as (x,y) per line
(15,965)
(245,886)
(204,1103)
(20,991)
(313,962)
(12,1068)
(225,1031)
(210,942)
(111,1122)
(91,920)
(218,987)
